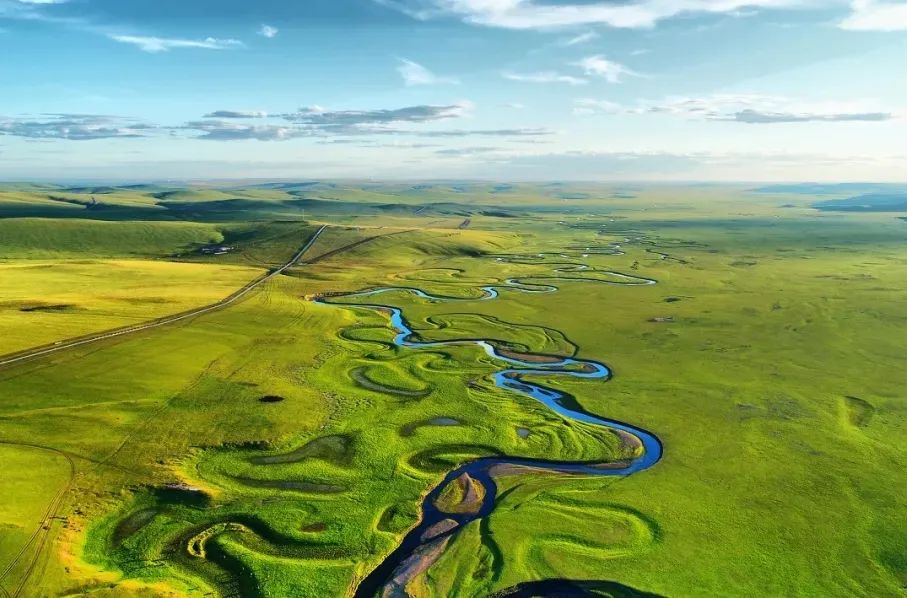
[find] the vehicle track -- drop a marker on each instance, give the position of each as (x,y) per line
(352,245)
(43,526)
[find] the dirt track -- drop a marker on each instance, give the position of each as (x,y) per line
(231,299)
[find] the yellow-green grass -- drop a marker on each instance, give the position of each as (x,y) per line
(48,301)
(172,432)
(775,385)
(35,477)
(728,387)
(543,528)
(182,395)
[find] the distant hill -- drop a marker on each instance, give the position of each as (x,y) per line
(869,202)
(832,188)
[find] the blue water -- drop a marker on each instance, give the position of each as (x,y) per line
(512,378)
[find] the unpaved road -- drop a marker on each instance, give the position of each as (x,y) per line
(42,531)
(87,340)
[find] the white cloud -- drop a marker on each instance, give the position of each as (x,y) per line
(268,31)
(220,130)
(872,15)
(532,14)
(241,114)
(545,77)
(590,106)
(751,116)
(31,11)
(414,73)
(423,113)
(582,38)
(514,133)
(74,127)
(599,66)
(746,108)
(690,166)
(338,126)
(467,152)
(162,44)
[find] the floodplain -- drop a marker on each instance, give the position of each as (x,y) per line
(301,440)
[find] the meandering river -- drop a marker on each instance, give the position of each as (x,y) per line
(424,543)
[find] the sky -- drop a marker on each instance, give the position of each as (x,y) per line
(642,90)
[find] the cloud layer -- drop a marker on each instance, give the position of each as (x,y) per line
(599,66)
(533,14)
(236,114)
(745,108)
(544,77)
(414,73)
(74,127)
(154,45)
(352,118)
(221,130)
(237,125)
(871,15)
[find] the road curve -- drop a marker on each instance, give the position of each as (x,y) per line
(225,302)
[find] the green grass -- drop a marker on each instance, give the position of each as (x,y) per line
(44,238)
(48,301)
(767,359)
(41,474)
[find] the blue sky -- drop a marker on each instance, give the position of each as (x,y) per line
(492,89)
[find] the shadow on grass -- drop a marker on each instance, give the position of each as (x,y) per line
(566,588)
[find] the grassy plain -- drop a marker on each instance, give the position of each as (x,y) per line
(47,301)
(767,359)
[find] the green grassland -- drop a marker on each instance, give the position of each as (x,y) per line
(63,278)
(78,238)
(47,301)
(282,446)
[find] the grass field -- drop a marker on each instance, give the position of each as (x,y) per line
(283,446)
(46,301)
